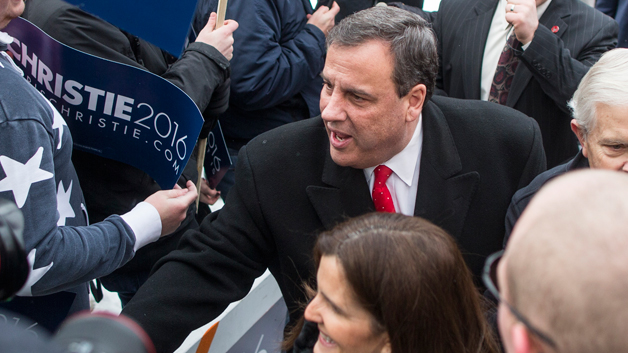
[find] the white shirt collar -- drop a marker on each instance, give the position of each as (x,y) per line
(403,164)
(540,10)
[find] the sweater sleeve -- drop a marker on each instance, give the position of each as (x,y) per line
(36,173)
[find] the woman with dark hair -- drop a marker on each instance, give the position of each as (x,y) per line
(392,283)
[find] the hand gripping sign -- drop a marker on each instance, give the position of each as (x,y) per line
(113,110)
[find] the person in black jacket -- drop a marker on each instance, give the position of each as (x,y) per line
(113,187)
(456,163)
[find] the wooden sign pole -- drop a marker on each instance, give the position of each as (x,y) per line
(202,143)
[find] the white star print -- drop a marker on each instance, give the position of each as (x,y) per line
(84,209)
(57,123)
(20,176)
(34,276)
(63,204)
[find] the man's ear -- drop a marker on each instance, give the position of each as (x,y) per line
(581,135)
(520,338)
(416,99)
(523,341)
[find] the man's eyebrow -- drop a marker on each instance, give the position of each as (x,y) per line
(613,140)
(359,93)
(350,90)
(335,307)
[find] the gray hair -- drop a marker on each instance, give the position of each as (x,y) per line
(605,83)
(412,43)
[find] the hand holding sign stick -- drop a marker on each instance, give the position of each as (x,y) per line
(202,144)
(222,10)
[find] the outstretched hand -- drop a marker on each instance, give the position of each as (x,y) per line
(221,38)
(172,205)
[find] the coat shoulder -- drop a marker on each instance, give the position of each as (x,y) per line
(485,119)
(290,145)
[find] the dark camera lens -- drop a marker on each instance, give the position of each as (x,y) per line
(102,332)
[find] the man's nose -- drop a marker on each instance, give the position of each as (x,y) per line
(333,107)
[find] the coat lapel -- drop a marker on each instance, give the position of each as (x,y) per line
(475,32)
(443,195)
(553,16)
(346,196)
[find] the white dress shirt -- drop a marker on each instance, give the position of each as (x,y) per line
(405,165)
(495,42)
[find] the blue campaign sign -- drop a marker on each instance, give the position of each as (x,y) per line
(217,159)
(163,23)
(113,110)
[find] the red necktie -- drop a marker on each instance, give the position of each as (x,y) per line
(505,72)
(381,195)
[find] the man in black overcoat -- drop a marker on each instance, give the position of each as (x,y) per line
(456,163)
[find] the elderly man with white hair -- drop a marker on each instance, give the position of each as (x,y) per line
(600,112)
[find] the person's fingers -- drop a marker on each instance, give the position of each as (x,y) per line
(335,8)
(211,193)
(190,196)
(211,22)
(230,26)
(204,187)
(175,192)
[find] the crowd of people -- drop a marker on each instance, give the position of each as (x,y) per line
(382,164)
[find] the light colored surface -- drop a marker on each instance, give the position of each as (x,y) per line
(431,5)
(238,318)
(264,293)
(218,205)
(110,303)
